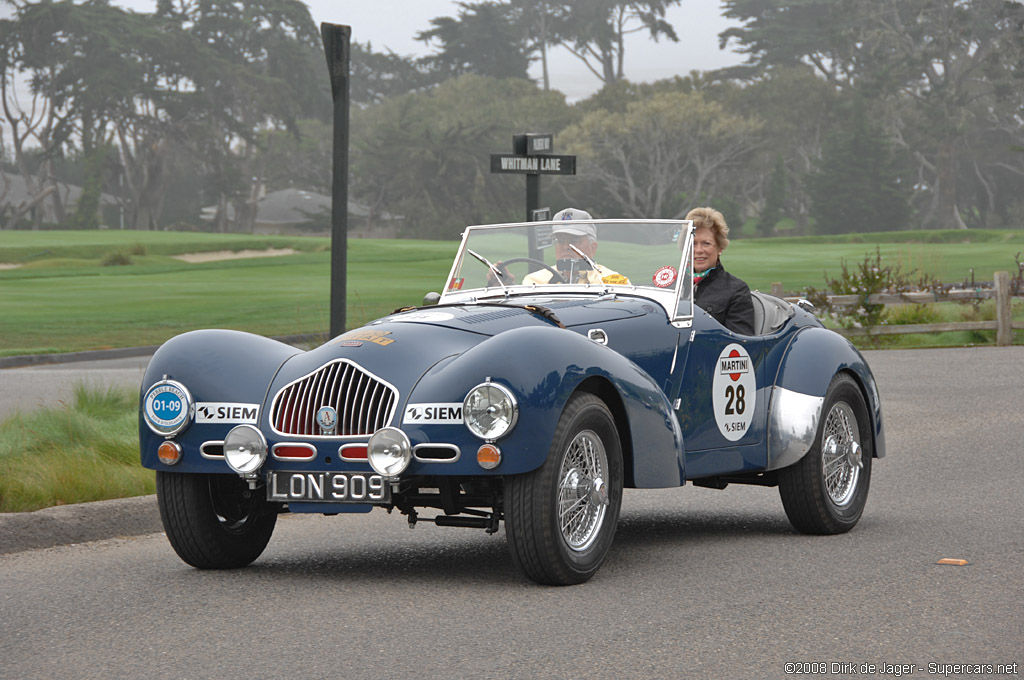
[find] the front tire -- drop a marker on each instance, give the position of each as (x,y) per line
(214,521)
(560,519)
(826,490)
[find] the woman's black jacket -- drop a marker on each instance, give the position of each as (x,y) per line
(727,299)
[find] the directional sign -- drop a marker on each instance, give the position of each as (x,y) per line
(533,143)
(533,165)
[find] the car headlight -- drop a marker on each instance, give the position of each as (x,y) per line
(168,407)
(490,411)
(389,451)
(245,449)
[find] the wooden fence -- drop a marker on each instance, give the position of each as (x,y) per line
(1003,324)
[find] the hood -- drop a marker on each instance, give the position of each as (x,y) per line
(395,353)
(493,317)
(400,348)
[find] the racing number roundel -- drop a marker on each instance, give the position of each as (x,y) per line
(734,392)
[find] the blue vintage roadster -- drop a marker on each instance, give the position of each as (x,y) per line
(503,398)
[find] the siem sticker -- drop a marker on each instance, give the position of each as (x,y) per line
(433,414)
(225,412)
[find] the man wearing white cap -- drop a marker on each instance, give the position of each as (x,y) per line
(575,248)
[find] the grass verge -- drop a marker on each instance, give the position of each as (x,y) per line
(86,450)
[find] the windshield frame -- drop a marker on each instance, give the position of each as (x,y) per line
(676,301)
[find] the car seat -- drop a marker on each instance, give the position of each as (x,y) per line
(770,313)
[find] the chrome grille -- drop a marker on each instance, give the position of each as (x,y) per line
(364,402)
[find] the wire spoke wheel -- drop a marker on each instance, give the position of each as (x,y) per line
(560,519)
(825,491)
(582,491)
(841,454)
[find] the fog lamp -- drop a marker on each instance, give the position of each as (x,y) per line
(245,449)
(169,452)
(389,451)
(488,456)
(490,411)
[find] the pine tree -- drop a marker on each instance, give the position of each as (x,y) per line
(859,184)
(775,201)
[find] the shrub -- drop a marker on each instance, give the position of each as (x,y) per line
(979,311)
(905,315)
(116,258)
(867,278)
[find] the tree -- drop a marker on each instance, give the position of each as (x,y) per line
(944,75)
(426,156)
(775,199)
(594,31)
(376,76)
(37,129)
(498,38)
(661,152)
(535,18)
(251,66)
(798,109)
(482,40)
(860,184)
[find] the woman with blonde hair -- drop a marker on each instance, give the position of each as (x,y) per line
(716,291)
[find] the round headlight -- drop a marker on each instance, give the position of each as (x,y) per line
(389,451)
(490,411)
(245,449)
(168,407)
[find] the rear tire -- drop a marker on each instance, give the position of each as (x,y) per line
(560,519)
(214,521)
(826,490)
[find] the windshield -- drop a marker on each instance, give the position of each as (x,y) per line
(638,257)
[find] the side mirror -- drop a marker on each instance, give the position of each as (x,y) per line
(431,299)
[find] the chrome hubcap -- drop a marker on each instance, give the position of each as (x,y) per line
(583,491)
(841,454)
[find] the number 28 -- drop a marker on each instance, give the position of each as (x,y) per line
(737,403)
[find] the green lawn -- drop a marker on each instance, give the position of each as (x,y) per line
(62,299)
(60,305)
(946,256)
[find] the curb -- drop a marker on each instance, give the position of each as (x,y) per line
(22,360)
(79,523)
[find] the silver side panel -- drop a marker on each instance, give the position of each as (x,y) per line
(792,426)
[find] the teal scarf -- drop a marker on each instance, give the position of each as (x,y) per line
(699,276)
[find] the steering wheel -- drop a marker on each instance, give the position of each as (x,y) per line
(530,260)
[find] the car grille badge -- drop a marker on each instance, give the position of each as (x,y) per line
(327,419)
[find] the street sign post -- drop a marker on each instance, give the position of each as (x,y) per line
(533,155)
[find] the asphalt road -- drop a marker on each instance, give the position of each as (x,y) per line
(700,583)
(27,388)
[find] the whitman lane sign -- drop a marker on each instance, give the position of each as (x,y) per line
(533,165)
(532,155)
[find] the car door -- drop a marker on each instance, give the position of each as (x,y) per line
(720,391)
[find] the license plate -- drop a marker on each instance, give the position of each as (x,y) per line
(327,487)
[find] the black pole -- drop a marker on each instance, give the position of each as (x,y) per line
(532,203)
(337,48)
